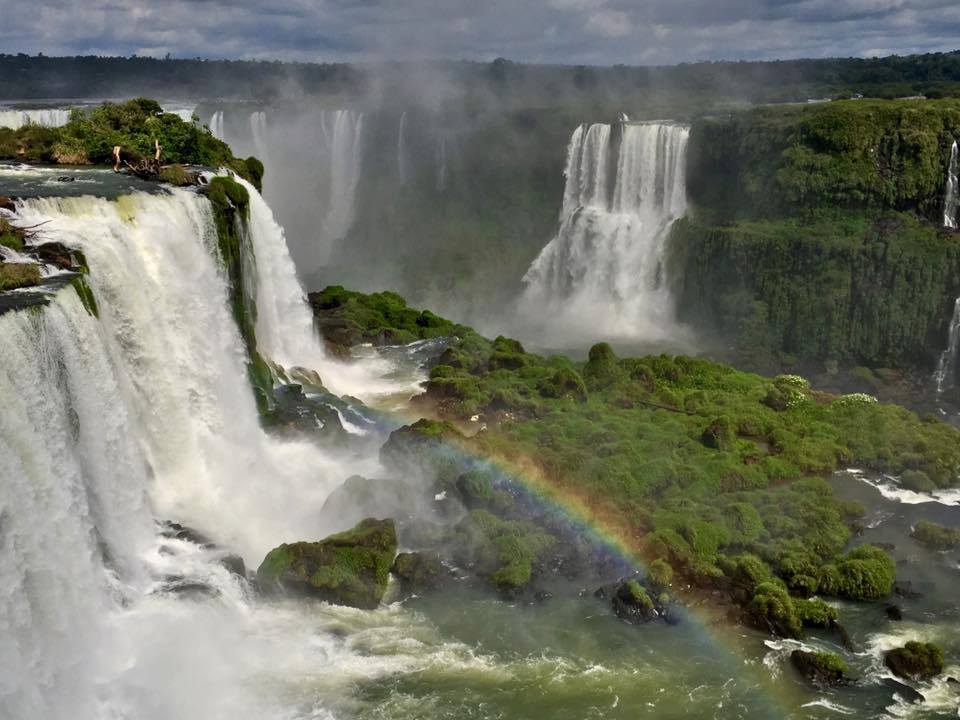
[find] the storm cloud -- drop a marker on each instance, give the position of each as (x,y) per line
(554,31)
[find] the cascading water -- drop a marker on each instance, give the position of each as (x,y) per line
(602,275)
(442,164)
(145,413)
(216,125)
(258,128)
(946,375)
(951,196)
(342,132)
(45,117)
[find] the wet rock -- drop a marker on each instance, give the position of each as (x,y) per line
(904,589)
(176,531)
(915,660)
(54,253)
(361,497)
(350,568)
(419,572)
(189,589)
(894,613)
(904,691)
(821,669)
(632,603)
(7,204)
(844,636)
(235,564)
(542,596)
(66,179)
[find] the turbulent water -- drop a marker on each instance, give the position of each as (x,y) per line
(603,274)
(951,196)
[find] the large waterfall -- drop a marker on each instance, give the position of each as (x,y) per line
(951,196)
(145,414)
(603,274)
(45,117)
(945,376)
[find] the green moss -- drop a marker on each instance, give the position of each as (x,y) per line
(773,609)
(815,613)
(18,275)
(660,574)
(349,568)
(865,573)
(915,661)
(821,668)
(86,295)
(176,175)
(936,536)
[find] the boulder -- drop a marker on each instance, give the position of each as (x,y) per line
(350,568)
(821,669)
(361,497)
(632,603)
(904,691)
(915,660)
(894,613)
(235,564)
(419,572)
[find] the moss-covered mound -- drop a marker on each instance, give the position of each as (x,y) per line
(915,661)
(349,318)
(419,572)
(135,126)
(821,669)
(18,275)
(936,536)
(350,568)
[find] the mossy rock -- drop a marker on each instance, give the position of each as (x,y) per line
(772,609)
(821,669)
(18,275)
(361,497)
(426,445)
(915,661)
(865,573)
(632,603)
(419,572)
(936,536)
(350,568)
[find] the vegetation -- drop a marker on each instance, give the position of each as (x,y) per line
(936,536)
(820,668)
(915,661)
(349,568)
(134,126)
(18,275)
(715,469)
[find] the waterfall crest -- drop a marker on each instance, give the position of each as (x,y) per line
(602,275)
(45,117)
(951,196)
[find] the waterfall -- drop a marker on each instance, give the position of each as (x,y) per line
(342,131)
(216,125)
(258,129)
(402,150)
(45,117)
(602,275)
(951,196)
(946,375)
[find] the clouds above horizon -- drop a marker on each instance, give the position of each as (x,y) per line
(555,31)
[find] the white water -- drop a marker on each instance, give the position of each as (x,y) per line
(258,128)
(603,274)
(951,196)
(216,125)
(45,117)
(285,330)
(342,131)
(945,376)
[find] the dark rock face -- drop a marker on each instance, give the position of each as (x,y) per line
(235,564)
(176,531)
(361,497)
(915,661)
(419,572)
(350,568)
(894,613)
(821,669)
(632,603)
(904,691)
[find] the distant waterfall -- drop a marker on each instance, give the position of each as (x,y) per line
(258,129)
(216,125)
(951,196)
(603,274)
(45,117)
(946,375)
(342,133)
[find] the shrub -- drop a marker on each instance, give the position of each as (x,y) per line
(935,535)
(915,661)
(865,573)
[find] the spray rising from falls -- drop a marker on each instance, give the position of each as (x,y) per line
(951,196)
(603,274)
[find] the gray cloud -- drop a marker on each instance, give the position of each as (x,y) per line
(556,31)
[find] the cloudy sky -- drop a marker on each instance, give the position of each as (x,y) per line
(562,31)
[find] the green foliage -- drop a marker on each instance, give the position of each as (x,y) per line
(18,275)
(915,661)
(134,126)
(815,613)
(176,175)
(821,668)
(773,609)
(936,536)
(865,573)
(10,236)
(660,574)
